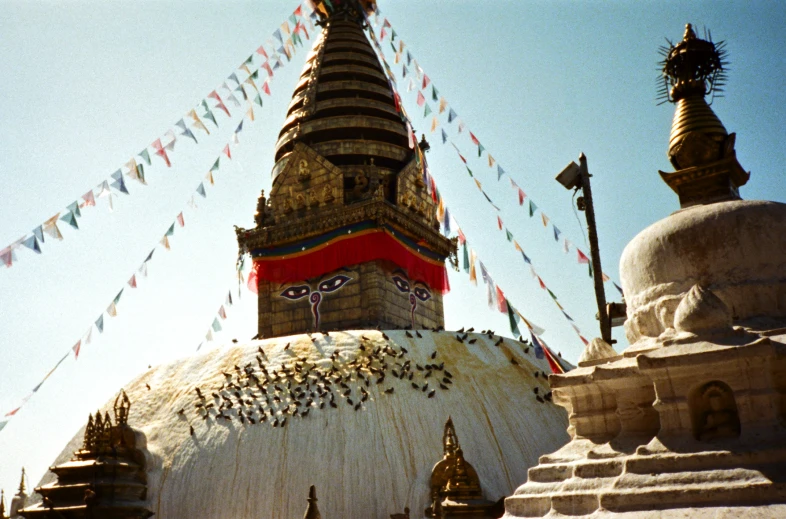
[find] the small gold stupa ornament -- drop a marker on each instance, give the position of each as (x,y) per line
(700,148)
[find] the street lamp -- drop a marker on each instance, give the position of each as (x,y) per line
(576,176)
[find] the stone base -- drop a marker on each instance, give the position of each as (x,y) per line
(690,429)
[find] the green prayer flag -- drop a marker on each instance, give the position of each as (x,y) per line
(427,110)
(532,207)
(470,172)
(70,219)
(258,100)
(214,167)
(117,297)
(551,294)
(514,319)
(434,93)
(216,325)
(466,258)
(146,156)
(481,149)
(171,230)
(74,208)
(508,234)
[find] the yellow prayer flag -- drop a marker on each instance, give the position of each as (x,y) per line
(250,113)
(491,161)
(442,104)
(473,275)
(545,219)
(434,124)
(478,184)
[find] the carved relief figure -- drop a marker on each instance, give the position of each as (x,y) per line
(315,296)
(303,172)
(416,291)
(714,412)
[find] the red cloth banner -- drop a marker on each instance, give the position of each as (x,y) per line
(350,251)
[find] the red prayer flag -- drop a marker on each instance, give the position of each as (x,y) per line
(261,51)
(521,196)
(266,87)
(222,313)
(89,199)
(462,239)
(582,257)
(421,99)
(298,11)
(252,281)
(161,152)
(227,152)
(220,104)
(180,220)
(426,81)
(475,140)
(76,347)
(501,301)
(132,281)
(269,70)
(542,284)
(499,223)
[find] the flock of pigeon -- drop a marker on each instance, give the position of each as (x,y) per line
(262,392)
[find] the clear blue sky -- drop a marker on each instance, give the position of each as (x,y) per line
(86,85)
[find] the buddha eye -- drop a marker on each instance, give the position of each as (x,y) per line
(401,283)
(295,293)
(334,283)
(422,293)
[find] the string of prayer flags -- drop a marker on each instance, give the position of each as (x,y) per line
(452,115)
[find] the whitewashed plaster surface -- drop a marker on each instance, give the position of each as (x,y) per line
(365,464)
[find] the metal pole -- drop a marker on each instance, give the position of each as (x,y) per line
(597,271)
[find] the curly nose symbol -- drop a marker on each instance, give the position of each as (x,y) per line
(315,299)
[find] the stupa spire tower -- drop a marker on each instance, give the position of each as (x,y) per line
(700,148)
(348,237)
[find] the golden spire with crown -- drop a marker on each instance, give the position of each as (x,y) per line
(700,148)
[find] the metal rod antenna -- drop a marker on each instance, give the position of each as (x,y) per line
(597,271)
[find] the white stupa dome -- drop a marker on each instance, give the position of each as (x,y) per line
(366,461)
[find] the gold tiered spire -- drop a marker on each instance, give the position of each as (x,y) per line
(699,145)
(455,486)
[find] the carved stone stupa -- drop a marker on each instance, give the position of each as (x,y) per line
(689,421)
(105,478)
(348,237)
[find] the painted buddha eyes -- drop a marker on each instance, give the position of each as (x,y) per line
(333,284)
(295,293)
(401,283)
(422,294)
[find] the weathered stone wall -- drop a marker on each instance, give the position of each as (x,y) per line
(369,298)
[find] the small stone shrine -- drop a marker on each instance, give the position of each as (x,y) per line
(689,420)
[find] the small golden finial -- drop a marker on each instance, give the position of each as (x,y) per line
(88,442)
(312,512)
(122,407)
(689,34)
(21,491)
(450,441)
